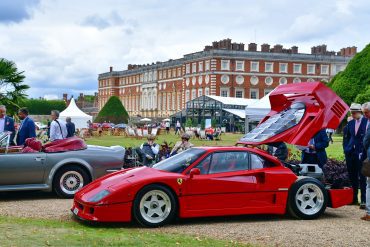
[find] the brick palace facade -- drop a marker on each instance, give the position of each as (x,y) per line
(161,89)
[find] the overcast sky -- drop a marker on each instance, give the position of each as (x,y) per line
(62,45)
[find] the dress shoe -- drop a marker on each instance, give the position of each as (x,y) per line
(366,217)
(362,205)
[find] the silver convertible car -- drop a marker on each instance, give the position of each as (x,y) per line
(63,166)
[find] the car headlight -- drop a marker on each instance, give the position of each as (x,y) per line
(97,197)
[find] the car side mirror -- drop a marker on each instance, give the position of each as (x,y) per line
(194,171)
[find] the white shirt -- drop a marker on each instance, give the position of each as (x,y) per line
(2,124)
(55,130)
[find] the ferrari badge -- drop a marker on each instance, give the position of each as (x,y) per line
(179,181)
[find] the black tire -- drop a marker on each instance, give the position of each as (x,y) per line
(140,213)
(303,204)
(77,174)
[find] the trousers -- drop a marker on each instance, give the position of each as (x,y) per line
(358,181)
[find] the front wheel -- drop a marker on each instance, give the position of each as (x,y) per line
(154,205)
(307,199)
(68,180)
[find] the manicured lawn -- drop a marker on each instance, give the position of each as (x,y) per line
(334,150)
(226,140)
(37,232)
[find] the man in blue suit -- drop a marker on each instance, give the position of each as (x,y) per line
(315,152)
(27,129)
(366,111)
(7,124)
(355,153)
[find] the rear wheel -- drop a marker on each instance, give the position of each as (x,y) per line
(154,205)
(68,180)
(307,199)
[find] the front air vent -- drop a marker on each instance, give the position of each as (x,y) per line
(338,109)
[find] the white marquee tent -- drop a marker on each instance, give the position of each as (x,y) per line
(79,118)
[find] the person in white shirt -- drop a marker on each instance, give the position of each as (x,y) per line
(168,125)
(178,128)
(58,129)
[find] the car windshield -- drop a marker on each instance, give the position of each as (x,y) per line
(4,139)
(277,123)
(181,161)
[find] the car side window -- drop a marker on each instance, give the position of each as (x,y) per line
(228,162)
(257,162)
(204,165)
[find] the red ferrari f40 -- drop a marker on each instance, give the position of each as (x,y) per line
(235,180)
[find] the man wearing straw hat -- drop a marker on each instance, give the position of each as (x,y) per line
(354,152)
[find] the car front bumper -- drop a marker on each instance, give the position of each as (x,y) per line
(119,212)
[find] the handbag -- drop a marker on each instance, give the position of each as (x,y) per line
(366,168)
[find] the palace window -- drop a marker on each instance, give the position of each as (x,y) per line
(239,93)
(239,66)
(283,67)
(324,69)
(187,68)
(269,67)
(193,94)
(200,67)
(224,92)
(225,64)
(200,92)
(297,68)
(194,67)
(255,66)
(207,65)
(254,94)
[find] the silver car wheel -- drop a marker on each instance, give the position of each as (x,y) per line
(70,182)
(155,206)
(309,199)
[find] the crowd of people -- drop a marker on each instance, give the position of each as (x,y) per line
(57,129)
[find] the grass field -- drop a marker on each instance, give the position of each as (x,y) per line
(37,232)
(334,150)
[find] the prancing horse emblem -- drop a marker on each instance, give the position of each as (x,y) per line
(179,181)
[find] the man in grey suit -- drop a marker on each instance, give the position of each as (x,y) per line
(7,124)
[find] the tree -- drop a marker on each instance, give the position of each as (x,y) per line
(189,122)
(42,106)
(352,84)
(213,123)
(12,89)
(113,111)
(364,97)
(203,124)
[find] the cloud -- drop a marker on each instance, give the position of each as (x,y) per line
(100,22)
(14,11)
(51,96)
(66,44)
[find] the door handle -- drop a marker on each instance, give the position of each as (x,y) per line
(39,159)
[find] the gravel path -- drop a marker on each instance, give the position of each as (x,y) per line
(337,227)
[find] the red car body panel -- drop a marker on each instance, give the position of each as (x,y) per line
(340,197)
(250,191)
(324,109)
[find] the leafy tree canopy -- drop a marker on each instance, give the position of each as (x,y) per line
(12,89)
(42,106)
(352,84)
(113,111)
